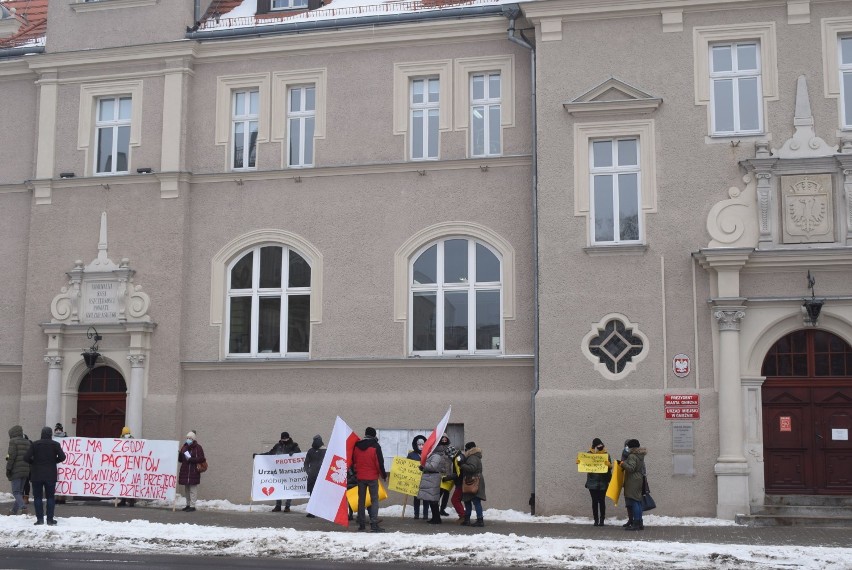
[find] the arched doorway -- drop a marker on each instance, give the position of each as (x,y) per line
(101,403)
(807,414)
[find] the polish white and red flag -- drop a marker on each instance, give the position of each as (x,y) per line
(328,499)
(435,437)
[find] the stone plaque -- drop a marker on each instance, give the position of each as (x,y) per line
(683,436)
(683,465)
(807,208)
(100,300)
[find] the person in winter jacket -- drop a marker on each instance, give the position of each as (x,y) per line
(43,456)
(437,467)
(455,456)
(448,481)
(597,483)
(634,476)
(58,431)
(369,465)
(124,502)
(17,470)
(414,454)
(313,462)
(285,446)
(190,455)
(472,467)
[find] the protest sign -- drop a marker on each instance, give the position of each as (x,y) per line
(405,476)
(112,467)
(592,463)
(279,477)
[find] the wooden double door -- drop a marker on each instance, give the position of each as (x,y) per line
(101,403)
(807,415)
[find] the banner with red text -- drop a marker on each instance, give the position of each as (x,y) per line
(112,467)
(279,477)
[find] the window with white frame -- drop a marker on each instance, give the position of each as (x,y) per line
(455,288)
(269,300)
(112,135)
(615,184)
(735,92)
(287,4)
(301,119)
(846,80)
(485,103)
(424,122)
(244,122)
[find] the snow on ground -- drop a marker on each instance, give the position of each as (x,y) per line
(448,549)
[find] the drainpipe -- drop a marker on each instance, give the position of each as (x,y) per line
(512,12)
(196,13)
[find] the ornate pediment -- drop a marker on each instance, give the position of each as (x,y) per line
(613,97)
(804,143)
(100,292)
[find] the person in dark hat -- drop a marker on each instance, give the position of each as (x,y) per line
(471,468)
(369,464)
(414,454)
(43,456)
(597,483)
(634,475)
(313,462)
(285,446)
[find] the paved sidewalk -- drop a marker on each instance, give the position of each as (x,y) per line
(262,517)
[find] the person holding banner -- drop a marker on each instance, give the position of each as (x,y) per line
(43,456)
(597,483)
(285,446)
(124,502)
(414,454)
(369,465)
(190,455)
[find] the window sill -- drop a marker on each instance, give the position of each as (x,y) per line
(734,140)
(110,5)
(617,249)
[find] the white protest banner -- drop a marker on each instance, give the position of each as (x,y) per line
(112,467)
(279,477)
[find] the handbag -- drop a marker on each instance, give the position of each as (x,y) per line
(470,485)
(201,467)
(648,502)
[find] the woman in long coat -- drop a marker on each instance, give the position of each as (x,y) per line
(435,468)
(190,455)
(471,467)
(634,476)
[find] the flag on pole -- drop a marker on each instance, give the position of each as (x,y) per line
(435,437)
(328,499)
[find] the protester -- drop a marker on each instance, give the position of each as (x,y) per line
(472,467)
(43,456)
(437,466)
(447,481)
(624,454)
(190,456)
(416,449)
(124,502)
(369,464)
(285,446)
(455,473)
(59,431)
(17,470)
(597,483)
(313,462)
(634,475)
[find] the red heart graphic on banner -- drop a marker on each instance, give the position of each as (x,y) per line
(267,490)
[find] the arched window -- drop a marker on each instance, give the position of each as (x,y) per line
(455,298)
(269,303)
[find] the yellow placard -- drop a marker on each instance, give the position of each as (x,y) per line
(405,476)
(352,496)
(592,462)
(615,484)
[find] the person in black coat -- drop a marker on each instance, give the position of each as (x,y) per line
(313,462)
(43,456)
(285,446)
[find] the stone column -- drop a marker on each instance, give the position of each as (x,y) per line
(731,466)
(135,394)
(53,411)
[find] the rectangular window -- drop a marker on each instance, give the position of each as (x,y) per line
(301,119)
(614,181)
(112,135)
(244,120)
(735,90)
(424,109)
(289,4)
(846,80)
(485,114)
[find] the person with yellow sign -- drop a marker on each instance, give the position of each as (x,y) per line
(597,464)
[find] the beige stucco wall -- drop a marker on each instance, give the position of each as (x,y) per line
(17,155)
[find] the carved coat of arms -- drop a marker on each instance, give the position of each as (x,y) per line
(807,209)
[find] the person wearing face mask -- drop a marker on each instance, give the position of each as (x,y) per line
(190,455)
(285,446)
(634,478)
(124,502)
(625,452)
(416,450)
(597,483)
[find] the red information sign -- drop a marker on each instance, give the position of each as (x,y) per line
(682,407)
(786,423)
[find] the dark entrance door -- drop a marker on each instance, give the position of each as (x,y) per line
(101,403)
(807,415)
